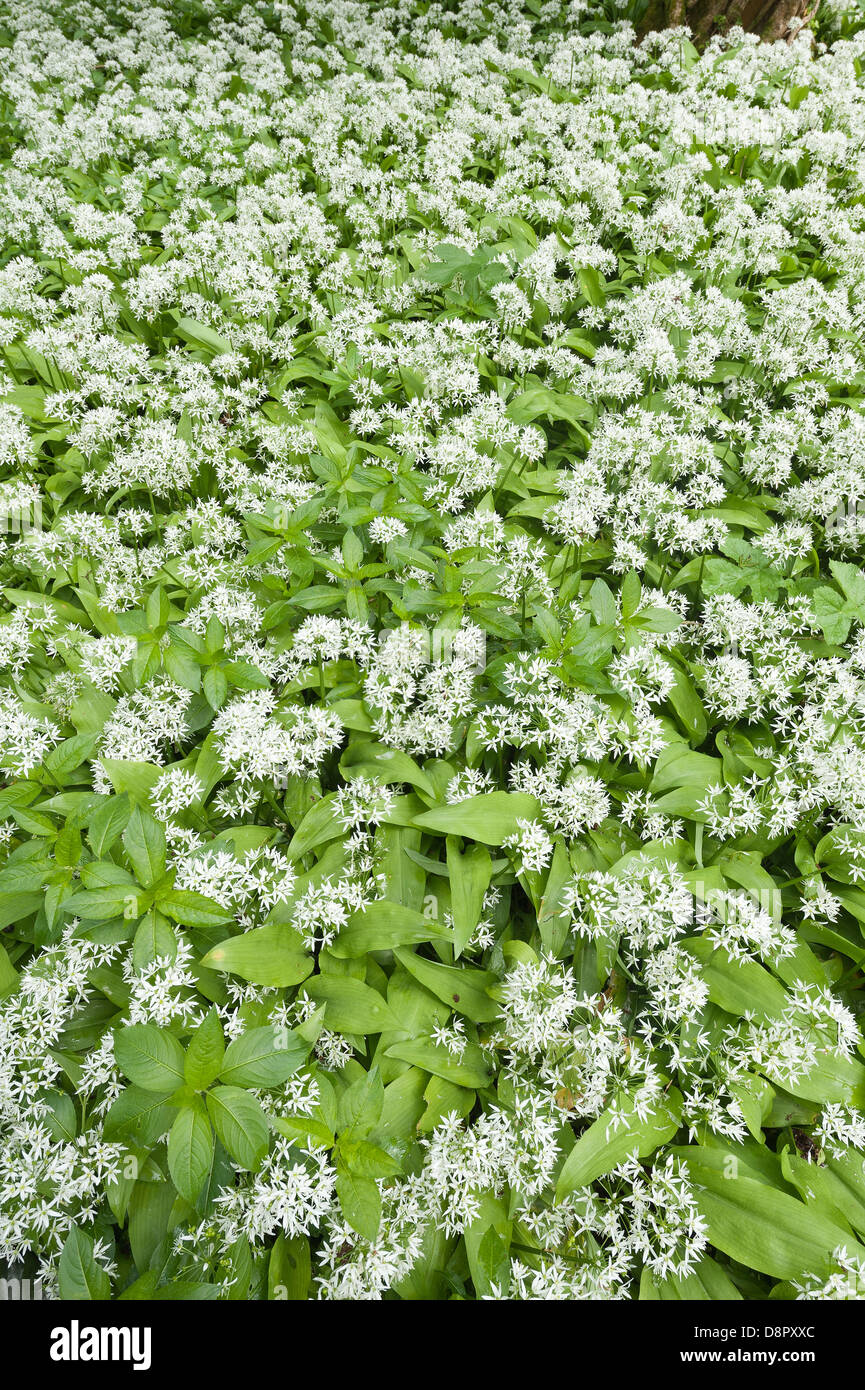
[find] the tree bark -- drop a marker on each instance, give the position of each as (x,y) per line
(771,19)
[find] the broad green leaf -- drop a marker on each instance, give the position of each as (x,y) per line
(469,1070)
(382,927)
(240,1124)
(272,955)
(766,1229)
(263,1057)
(289,1270)
(107,823)
(707,1283)
(149,1056)
(617,1134)
(202,336)
(463,988)
(490,818)
(204,1053)
(79,1277)
(144,842)
(190,1152)
(141,1115)
(470,875)
(192,909)
(359,1202)
(351,1006)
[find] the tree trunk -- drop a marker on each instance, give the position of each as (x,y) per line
(771,19)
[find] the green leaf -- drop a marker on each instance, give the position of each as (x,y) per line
(763,1228)
(240,1125)
(605,1144)
(550,405)
(190,1152)
(136,778)
(632,593)
(150,1208)
(384,765)
(381,927)
(470,875)
(204,1053)
(272,955)
(707,1282)
(144,842)
(8,974)
(463,988)
(149,1056)
(69,755)
(155,938)
(289,1270)
(140,1114)
(263,1057)
(107,822)
(79,1277)
(201,336)
(490,818)
(740,987)
(361,1105)
(469,1070)
(320,824)
(491,1267)
(366,1160)
(359,1202)
(192,909)
(215,686)
(351,1006)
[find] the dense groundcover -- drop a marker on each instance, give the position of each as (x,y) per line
(432,713)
